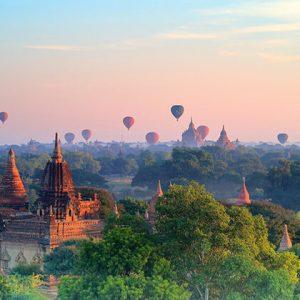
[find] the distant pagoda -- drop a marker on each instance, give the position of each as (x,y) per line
(224,141)
(151,212)
(191,137)
(12,191)
(244,198)
(286,242)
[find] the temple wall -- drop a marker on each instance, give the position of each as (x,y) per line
(15,252)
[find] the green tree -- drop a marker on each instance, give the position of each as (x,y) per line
(121,252)
(61,261)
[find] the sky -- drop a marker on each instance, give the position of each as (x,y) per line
(75,64)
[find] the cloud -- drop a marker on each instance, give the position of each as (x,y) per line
(54,47)
(290,27)
(280,9)
(229,53)
(186,35)
(279,58)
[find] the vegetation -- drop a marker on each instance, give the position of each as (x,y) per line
(199,248)
(20,287)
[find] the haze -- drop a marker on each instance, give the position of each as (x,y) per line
(70,65)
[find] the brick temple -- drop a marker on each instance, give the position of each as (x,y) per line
(224,141)
(61,214)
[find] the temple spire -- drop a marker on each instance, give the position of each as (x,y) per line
(11,187)
(244,197)
(159,191)
(286,242)
(56,156)
(116,211)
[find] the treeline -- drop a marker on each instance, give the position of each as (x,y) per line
(199,249)
(271,173)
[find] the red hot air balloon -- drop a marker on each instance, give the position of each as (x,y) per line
(128,122)
(282,138)
(204,131)
(152,138)
(69,137)
(3,116)
(86,134)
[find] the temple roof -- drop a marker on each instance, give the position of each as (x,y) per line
(286,242)
(56,156)
(244,197)
(12,187)
(191,137)
(57,189)
(159,191)
(151,207)
(224,141)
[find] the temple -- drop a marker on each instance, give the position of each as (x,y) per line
(191,137)
(61,214)
(224,141)
(244,198)
(12,191)
(151,213)
(286,242)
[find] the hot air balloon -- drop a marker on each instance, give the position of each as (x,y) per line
(69,137)
(3,116)
(86,134)
(177,111)
(282,138)
(203,131)
(152,138)
(128,122)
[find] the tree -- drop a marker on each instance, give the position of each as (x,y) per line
(121,252)
(275,217)
(192,227)
(61,261)
(133,206)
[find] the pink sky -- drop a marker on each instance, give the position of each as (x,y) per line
(249,82)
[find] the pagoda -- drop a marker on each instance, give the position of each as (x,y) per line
(57,189)
(224,141)
(244,198)
(191,137)
(61,214)
(151,212)
(286,242)
(12,191)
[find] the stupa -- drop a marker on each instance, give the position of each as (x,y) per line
(191,137)
(286,242)
(151,212)
(224,141)
(244,198)
(12,191)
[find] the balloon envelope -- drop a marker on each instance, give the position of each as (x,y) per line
(177,111)
(128,122)
(152,138)
(69,137)
(86,134)
(204,131)
(282,138)
(3,116)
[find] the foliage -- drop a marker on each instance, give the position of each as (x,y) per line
(275,217)
(16,286)
(121,252)
(61,261)
(27,269)
(133,206)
